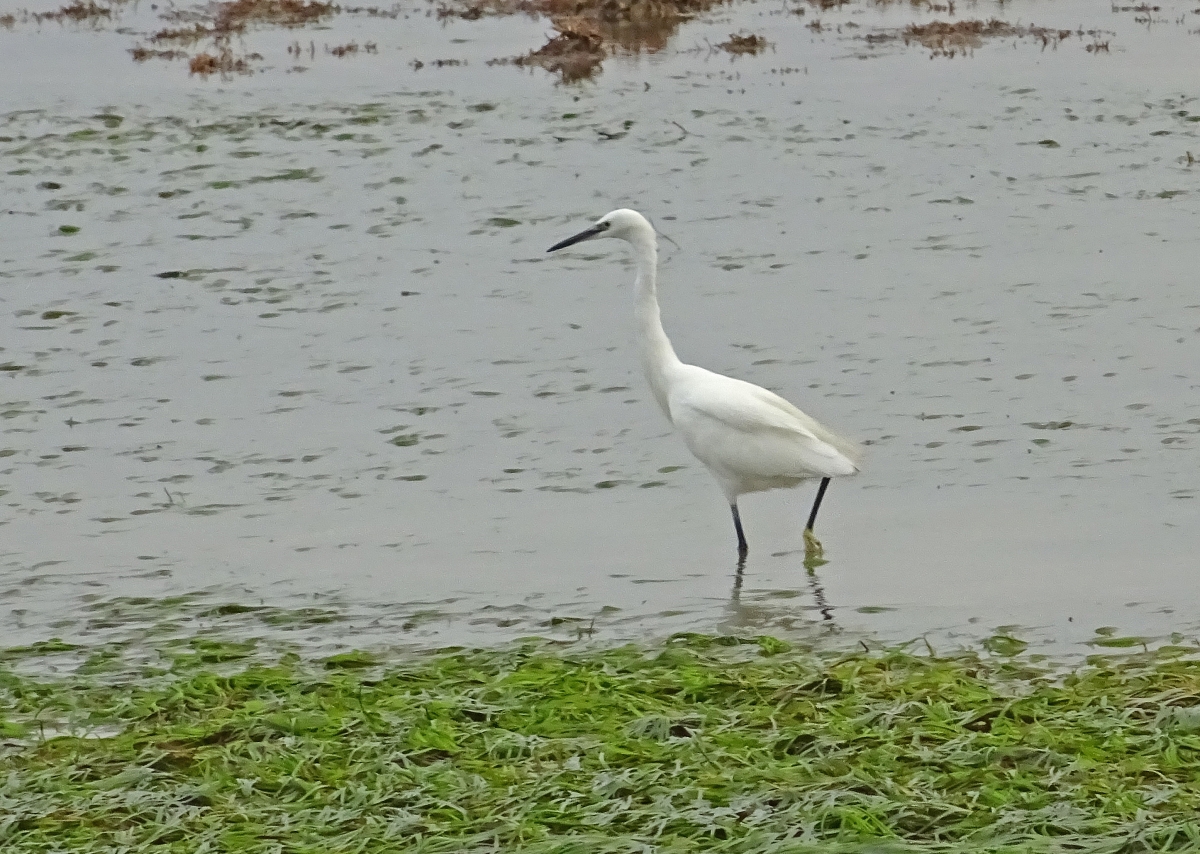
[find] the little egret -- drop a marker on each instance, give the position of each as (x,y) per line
(750,439)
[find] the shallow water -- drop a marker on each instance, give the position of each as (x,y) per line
(292,338)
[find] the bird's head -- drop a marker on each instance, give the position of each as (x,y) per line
(624,224)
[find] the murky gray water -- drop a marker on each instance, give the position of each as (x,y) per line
(293,337)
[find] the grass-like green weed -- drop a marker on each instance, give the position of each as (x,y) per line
(701,744)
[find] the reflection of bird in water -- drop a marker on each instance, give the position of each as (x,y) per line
(750,439)
(756,615)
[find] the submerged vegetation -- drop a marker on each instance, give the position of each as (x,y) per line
(701,744)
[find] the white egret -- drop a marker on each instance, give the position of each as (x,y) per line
(750,439)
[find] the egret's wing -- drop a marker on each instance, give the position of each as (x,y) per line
(852,451)
(727,419)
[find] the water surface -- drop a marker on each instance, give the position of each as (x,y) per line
(293,338)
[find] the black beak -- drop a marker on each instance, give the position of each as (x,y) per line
(583,235)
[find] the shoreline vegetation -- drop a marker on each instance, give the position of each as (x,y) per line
(698,743)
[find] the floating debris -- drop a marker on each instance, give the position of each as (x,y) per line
(77,11)
(960,38)
(223,62)
(588,32)
(575,53)
(737,45)
(344,49)
(141,54)
(218,24)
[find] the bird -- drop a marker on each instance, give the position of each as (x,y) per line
(750,439)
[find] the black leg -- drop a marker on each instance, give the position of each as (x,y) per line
(812,517)
(743,547)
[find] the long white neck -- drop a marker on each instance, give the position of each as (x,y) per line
(658,357)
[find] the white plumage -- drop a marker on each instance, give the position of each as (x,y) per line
(750,439)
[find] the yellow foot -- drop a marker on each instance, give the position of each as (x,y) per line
(814,552)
